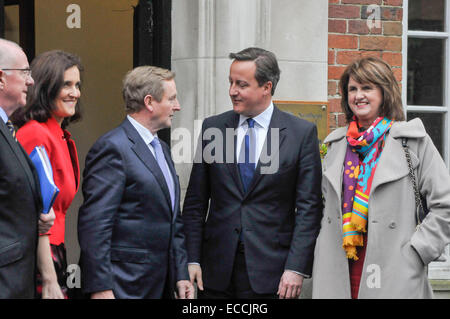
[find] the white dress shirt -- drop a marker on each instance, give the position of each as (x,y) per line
(147,136)
(262,122)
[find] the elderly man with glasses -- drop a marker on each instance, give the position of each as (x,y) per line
(20,201)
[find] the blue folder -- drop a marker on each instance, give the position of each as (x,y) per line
(49,190)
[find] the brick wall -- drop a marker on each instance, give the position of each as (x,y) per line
(350,37)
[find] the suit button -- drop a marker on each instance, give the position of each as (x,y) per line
(329,220)
(236,230)
(392,225)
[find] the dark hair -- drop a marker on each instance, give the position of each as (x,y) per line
(376,71)
(266,65)
(47,70)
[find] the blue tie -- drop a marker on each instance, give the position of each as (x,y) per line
(165,170)
(247,159)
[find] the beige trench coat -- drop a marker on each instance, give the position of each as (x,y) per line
(396,255)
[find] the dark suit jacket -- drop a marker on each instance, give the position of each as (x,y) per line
(279,215)
(20,206)
(131,240)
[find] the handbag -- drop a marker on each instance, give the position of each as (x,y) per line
(421,206)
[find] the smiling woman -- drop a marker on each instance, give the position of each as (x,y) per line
(369,245)
(52,103)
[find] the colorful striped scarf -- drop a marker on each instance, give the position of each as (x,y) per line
(361,158)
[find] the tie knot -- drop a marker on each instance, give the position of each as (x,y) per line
(10,126)
(251,123)
(155,142)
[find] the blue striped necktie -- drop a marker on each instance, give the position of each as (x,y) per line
(10,127)
(164,168)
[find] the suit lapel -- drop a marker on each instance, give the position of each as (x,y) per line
(276,122)
(22,158)
(232,123)
(173,172)
(145,155)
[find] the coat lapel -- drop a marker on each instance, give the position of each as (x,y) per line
(392,164)
(333,163)
(145,155)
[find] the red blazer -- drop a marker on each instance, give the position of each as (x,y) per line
(66,171)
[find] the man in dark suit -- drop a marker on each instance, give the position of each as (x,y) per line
(252,216)
(129,226)
(20,203)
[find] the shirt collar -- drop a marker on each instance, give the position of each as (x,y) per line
(3,115)
(262,119)
(146,135)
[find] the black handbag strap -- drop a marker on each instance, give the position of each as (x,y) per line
(412,175)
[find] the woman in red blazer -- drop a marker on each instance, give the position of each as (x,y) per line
(53,103)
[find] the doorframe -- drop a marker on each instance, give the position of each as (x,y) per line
(26,24)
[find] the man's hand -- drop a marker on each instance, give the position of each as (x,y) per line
(107,294)
(46,221)
(290,285)
(185,290)
(195,274)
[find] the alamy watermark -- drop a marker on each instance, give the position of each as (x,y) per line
(73,21)
(374,16)
(219,147)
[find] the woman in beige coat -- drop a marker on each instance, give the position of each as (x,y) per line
(368,246)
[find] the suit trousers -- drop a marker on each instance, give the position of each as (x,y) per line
(239,287)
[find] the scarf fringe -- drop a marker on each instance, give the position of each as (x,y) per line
(351,252)
(350,244)
(360,228)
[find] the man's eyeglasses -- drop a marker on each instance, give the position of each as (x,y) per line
(26,72)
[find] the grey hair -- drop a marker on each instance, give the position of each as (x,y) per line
(266,65)
(6,56)
(143,81)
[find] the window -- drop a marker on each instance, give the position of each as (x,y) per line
(426,79)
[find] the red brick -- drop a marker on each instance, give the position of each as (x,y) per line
(332,88)
(393,58)
(392,28)
(342,41)
(397,74)
(393,14)
(331,57)
(333,1)
(334,106)
(335,72)
(337,26)
(347,57)
(361,1)
(341,120)
(343,11)
(361,27)
(386,13)
(332,122)
(398,3)
(380,43)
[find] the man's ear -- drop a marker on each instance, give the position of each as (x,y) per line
(148,102)
(268,87)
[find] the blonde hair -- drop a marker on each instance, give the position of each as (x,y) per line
(376,71)
(143,81)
